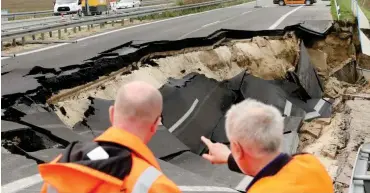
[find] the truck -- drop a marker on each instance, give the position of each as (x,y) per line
(94,7)
(294,2)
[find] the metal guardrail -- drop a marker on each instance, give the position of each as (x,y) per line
(7,26)
(360,169)
(101,20)
(337,9)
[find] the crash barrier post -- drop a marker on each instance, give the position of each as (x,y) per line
(337,9)
(4,12)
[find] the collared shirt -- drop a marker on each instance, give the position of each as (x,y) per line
(269,170)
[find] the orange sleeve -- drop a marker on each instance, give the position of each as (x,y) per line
(164,185)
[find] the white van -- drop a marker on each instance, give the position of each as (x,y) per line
(122,4)
(67,6)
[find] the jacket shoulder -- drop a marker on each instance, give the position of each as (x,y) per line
(164,185)
(304,174)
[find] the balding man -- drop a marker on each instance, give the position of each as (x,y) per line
(255,132)
(119,159)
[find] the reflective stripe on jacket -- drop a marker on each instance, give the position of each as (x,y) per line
(145,175)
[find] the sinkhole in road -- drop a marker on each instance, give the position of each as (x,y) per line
(200,78)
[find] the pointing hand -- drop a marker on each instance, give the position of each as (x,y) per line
(218,152)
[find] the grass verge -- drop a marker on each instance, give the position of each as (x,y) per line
(168,14)
(345,10)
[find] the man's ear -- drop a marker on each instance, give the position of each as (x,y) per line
(154,126)
(111,114)
(238,150)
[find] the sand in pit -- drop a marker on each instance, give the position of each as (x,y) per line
(337,50)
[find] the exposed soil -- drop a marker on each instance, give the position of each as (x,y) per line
(337,47)
(364,61)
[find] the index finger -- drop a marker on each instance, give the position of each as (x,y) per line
(206,141)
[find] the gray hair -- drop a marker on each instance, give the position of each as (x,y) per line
(252,122)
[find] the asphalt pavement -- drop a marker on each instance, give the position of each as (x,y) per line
(242,17)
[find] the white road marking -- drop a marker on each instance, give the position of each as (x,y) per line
(319,105)
(38,50)
(311,115)
(184,117)
(213,23)
(126,28)
(21,184)
(288,108)
(205,189)
(246,12)
(84,132)
(281,19)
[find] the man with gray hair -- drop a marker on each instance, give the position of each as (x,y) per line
(255,132)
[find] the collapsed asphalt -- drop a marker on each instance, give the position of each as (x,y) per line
(193,106)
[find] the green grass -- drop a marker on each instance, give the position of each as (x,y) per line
(345,10)
(180,2)
(169,14)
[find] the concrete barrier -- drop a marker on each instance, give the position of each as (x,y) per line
(363,23)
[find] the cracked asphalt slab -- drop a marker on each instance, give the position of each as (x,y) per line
(237,17)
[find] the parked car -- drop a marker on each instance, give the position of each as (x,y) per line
(67,6)
(123,4)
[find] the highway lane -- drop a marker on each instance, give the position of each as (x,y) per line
(170,29)
(318,11)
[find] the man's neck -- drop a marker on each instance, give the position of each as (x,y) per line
(263,161)
(131,129)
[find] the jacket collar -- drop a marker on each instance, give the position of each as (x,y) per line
(272,168)
(124,138)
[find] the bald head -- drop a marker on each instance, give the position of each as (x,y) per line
(137,107)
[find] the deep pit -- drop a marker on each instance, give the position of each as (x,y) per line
(277,67)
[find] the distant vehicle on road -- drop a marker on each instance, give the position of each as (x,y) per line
(294,2)
(122,4)
(67,6)
(94,7)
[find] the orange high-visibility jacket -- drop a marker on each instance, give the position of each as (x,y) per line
(145,175)
(302,174)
